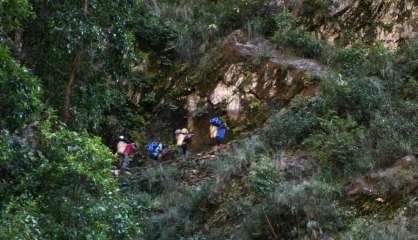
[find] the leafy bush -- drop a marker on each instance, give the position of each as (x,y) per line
(263,176)
(350,60)
(339,147)
(406,72)
(408,57)
(401,226)
(12,14)
(61,188)
(156,180)
(376,105)
(289,129)
(294,212)
(394,134)
(20,92)
(21,220)
(202,24)
(357,98)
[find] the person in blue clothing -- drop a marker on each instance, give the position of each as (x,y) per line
(157,151)
(218,130)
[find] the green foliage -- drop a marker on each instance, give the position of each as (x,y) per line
(66,171)
(401,226)
(355,97)
(339,147)
(155,181)
(303,211)
(394,134)
(21,220)
(13,13)
(113,40)
(407,66)
(20,92)
(134,63)
(263,176)
(233,162)
(169,204)
(357,60)
(378,105)
(202,24)
(290,128)
(289,34)
(409,56)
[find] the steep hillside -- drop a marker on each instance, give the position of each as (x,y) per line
(333,154)
(320,96)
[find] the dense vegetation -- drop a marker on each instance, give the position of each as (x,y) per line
(74,74)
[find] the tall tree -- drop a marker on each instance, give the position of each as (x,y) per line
(74,70)
(84,46)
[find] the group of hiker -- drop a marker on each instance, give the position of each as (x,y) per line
(159,151)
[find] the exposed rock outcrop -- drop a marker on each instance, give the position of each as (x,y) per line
(388,21)
(258,71)
(400,179)
(249,76)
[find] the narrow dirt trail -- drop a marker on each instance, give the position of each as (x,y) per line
(195,169)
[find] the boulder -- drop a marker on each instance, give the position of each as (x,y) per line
(399,179)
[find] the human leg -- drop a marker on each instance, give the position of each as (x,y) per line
(125,161)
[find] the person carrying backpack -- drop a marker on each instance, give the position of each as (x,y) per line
(157,151)
(183,138)
(124,148)
(217,130)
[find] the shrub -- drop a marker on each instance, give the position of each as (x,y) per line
(289,34)
(238,158)
(20,220)
(401,227)
(357,98)
(156,180)
(61,188)
(289,129)
(403,81)
(303,211)
(408,56)
(387,119)
(340,148)
(394,134)
(263,176)
(20,92)
(349,60)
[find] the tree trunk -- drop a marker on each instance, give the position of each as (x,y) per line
(70,83)
(73,73)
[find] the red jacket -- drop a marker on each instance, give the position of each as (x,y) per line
(129,149)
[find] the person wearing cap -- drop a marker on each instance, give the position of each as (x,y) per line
(183,137)
(124,148)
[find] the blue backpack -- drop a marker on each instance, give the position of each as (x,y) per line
(220,134)
(216,121)
(152,147)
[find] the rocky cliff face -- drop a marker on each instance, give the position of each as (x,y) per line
(251,75)
(348,21)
